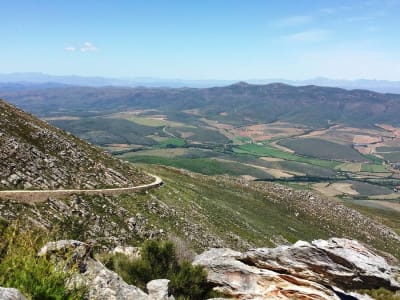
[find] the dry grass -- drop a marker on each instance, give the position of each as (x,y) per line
(335,189)
(61,118)
(271,159)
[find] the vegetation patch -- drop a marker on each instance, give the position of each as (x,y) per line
(373,168)
(265,150)
(207,166)
(172,143)
(368,189)
(322,149)
(159,260)
(391,156)
(36,277)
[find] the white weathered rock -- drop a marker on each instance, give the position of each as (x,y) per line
(237,279)
(10,294)
(130,252)
(301,271)
(105,284)
(335,262)
(158,289)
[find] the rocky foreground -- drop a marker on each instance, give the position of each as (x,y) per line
(321,270)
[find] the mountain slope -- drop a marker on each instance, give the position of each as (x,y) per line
(36,155)
(201,211)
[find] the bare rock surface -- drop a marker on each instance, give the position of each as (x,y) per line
(11,294)
(338,262)
(158,289)
(236,279)
(128,251)
(301,271)
(101,282)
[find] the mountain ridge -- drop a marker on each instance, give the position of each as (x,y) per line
(42,78)
(237,104)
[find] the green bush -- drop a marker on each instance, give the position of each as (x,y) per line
(36,277)
(381,294)
(190,282)
(159,260)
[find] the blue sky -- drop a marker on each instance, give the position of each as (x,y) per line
(207,39)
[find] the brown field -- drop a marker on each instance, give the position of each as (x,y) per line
(170,153)
(280,147)
(366,139)
(62,118)
(334,189)
(131,113)
(121,147)
(350,167)
(271,159)
(263,132)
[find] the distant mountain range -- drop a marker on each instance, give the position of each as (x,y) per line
(24,80)
(237,104)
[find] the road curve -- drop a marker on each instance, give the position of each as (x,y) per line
(42,195)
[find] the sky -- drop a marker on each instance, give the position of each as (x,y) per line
(207,39)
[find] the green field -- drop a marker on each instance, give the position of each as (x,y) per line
(387,149)
(307,169)
(368,189)
(207,166)
(259,150)
(373,168)
(172,143)
(322,149)
(391,156)
(199,135)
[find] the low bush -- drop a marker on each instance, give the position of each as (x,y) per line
(381,294)
(159,260)
(36,277)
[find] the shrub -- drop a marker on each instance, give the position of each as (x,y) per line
(36,277)
(190,282)
(381,294)
(159,260)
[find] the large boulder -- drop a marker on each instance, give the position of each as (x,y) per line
(335,262)
(236,279)
(10,294)
(158,289)
(317,270)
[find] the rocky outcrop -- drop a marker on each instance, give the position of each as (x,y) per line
(301,271)
(36,155)
(100,281)
(11,294)
(337,262)
(158,289)
(236,279)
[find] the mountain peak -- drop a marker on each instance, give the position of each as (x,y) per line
(241,84)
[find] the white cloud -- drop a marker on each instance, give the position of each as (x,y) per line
(312,35)
(88,47)
(70,48)
(294,21)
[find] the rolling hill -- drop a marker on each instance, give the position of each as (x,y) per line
(236,104)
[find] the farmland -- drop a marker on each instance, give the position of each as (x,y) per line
(327,160)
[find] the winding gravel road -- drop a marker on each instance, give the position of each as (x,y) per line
(36,196)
